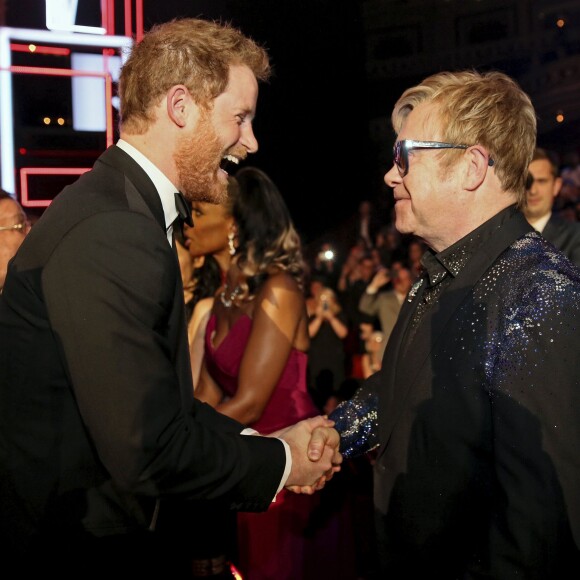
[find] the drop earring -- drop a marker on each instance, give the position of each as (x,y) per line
(231,246)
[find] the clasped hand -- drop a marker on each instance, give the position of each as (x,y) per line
(314,447)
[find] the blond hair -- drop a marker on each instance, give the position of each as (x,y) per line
(195,53)
(489,109)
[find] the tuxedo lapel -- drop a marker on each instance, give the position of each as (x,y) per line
(142,196)
(405,369)
(120,160)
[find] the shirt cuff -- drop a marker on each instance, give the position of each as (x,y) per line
(370,290)
(286,474)
(287,469)
(249,431)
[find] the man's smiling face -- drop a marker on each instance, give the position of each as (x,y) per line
(222,137)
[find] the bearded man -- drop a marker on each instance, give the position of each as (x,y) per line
(98,426)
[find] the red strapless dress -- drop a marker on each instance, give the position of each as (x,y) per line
(290,401)
(288,541)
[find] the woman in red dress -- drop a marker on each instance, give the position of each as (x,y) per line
(254,370)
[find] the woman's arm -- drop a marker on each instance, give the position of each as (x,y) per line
(196,335)
(315,324)
(277,313)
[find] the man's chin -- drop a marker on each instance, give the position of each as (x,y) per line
(220,192)
(402,225)
(217,193)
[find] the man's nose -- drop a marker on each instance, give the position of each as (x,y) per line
(248,139)
(392,176)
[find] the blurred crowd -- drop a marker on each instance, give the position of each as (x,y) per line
(357,282)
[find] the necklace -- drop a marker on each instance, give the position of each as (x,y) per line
(227,301)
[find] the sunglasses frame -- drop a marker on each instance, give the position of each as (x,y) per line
(401,151)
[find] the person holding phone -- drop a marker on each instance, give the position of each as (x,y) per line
(328,328)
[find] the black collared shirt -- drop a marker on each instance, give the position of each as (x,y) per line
(442,267)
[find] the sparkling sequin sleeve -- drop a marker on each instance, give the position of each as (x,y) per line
(357,422)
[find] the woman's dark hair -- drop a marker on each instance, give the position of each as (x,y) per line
(267,240)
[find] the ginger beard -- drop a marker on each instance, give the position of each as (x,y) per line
(197,160)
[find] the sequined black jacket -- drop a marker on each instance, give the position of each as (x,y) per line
(478,423)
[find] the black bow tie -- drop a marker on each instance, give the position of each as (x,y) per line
(183,208)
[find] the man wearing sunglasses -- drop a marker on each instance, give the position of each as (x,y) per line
(14,226)
(476,410)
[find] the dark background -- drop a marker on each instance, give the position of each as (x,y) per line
(323,119)
(311,122)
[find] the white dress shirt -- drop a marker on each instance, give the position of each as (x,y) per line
(165,188)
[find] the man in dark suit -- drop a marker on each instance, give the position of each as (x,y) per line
(98,425)
(476,410)
(542,187)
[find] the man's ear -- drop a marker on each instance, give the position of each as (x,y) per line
(178,101)
(478,165)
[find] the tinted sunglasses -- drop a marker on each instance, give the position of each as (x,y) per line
(402,148)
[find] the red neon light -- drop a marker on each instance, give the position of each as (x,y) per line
(56,72)
(108,17)
(111,17)
(26,171)
(39,49)
(128,18)
(53,170)
(109,108)
(72,73)
(58,153)
(139,20)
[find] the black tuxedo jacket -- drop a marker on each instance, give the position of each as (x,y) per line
(565,236)
(97,416)
(477,473)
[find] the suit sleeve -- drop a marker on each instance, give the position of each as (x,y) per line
(109,288)
(356,420)
(368,304)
